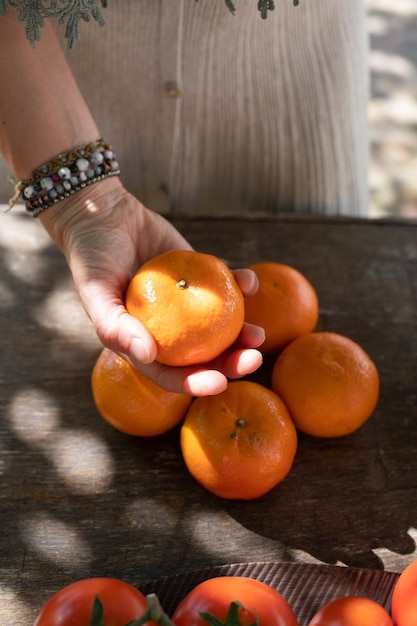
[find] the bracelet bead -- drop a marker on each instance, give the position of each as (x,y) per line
(65,174)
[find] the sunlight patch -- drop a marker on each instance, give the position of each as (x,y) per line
(62,311)
(13,610)
(54,541)
(391,560)
(37,423)
(83,461)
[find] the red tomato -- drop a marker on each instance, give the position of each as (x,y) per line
(72,605)
(404,598)
(216,594)
(351,611)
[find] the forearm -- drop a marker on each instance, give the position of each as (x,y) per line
(42,111)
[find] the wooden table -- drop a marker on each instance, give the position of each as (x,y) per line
(80,499)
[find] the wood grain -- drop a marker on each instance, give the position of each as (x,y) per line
(269,115)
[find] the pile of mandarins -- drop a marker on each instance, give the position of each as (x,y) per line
(242,442)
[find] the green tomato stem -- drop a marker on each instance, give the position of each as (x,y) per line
(154,613)
(97,613)
(232,617)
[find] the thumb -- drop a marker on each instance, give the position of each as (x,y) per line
(115,327)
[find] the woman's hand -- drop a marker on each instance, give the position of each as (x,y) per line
(106,235)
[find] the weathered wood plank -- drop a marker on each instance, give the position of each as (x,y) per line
(78,498)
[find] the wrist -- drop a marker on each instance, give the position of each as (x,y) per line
(94,200)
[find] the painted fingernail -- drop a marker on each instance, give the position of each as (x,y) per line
(139,351)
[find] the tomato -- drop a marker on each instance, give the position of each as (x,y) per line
(404,598)
(351,611)
(215,595)
(72,605)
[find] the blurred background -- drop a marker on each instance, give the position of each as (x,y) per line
(393,107)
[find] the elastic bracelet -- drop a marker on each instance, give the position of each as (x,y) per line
(65,174)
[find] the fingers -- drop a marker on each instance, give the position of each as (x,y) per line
(210,378)
(209,381)
(116,329)
(129,338)
(196,381)
(240,363)
(248,281)
(204,380)
(251,336)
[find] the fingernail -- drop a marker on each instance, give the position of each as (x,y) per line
(254,282)
(139,351)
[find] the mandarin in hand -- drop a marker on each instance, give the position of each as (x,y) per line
(190,302)
(240,443)
(328,382)
(132,403)
(285,305)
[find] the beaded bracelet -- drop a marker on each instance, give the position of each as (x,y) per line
(65,174)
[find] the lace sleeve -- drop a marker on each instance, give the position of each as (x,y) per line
(68,12)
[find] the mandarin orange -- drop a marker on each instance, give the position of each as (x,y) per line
(240,443)
(352,611)
(285,305)
(328,382)
(190,302)
(132,403)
